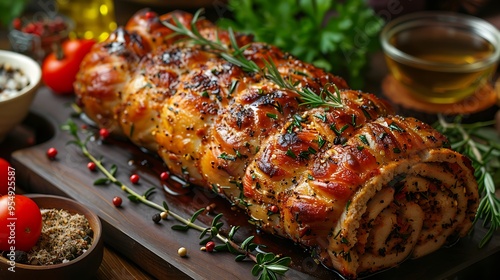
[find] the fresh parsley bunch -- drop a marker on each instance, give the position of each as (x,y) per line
(337,36)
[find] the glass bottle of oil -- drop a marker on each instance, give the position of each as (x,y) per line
(94,19)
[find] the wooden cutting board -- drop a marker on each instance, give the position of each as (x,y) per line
(131,231)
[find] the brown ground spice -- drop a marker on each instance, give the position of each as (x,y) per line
(64,237)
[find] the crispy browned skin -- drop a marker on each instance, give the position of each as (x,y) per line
(363,186)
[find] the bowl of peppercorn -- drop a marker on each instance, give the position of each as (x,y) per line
(20,77)
(70,244)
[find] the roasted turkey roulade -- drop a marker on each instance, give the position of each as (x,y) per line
(363,187)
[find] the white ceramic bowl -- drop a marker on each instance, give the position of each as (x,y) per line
(14,109)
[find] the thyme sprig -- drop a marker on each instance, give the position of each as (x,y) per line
(235,55)
(484,152)
(267,265)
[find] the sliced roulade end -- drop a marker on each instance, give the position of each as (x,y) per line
(388,191)
(411,209)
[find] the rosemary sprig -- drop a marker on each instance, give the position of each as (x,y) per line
(484,153)
(234,55)
(267,265)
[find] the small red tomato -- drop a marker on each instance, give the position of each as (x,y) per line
(91,166)
(52,153)
(117,201)
(164,175)
(20,223)
(104,133)
(274,209)
(210,246)
(134,178)
(6,176)
(59,68)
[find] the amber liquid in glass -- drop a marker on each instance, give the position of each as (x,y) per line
(453,48)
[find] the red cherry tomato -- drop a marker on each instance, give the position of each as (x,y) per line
(6,176)
(20,223)
(59,68)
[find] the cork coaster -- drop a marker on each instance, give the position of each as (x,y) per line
(482,99)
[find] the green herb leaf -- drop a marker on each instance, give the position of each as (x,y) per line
(195,215)
(247,241)
(180,227)
(149,192)
(232,232)
(113,170)
(101,182)
(221,248)
(240,258)
(290,153)
(133,198)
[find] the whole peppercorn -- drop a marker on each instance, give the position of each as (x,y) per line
(182,252)
(210,208)
(164,215)
(117,201)
(274,209)
(156,218)
(52,153)
(134,178)
(209,247)
(91,166)
(164,176)
(104,133)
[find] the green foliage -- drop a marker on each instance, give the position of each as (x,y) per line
(335,35)
(269,266)
(10,9)
(480,143)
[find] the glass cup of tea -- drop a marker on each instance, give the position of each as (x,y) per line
(441,57)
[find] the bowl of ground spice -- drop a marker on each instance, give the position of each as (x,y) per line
(70,245)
